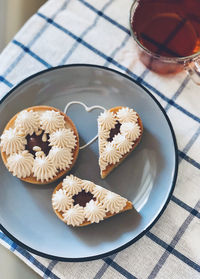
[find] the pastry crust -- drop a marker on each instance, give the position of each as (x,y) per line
(69,124)
(128,206)
(110,167)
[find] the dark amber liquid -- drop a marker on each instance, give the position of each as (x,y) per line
(169,28)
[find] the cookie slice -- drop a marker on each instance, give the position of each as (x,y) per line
(80,202)
(119,130)
(39,144)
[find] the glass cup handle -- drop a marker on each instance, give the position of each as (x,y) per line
(193,69)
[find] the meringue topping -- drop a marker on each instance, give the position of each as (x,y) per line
(61,201)
(126,114)
(51,120)
(99,192)
(12,141)
(102,144)
(94,211)
(44,168)
(107,120)
(74,216)
(20,164)
(114,203)
(130,130)
(72,185)
(88,186)
(62,157)
(28,121)
(111,155)
(64,138)
(102,163)
(122,143)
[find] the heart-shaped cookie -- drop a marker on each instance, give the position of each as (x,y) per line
(120,130)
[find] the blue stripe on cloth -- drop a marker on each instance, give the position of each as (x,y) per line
(186,207)
(179,91)
(173,251)
(118,49)
(169,101)
(100,13)
(191,142)
(173,243)
(143,75)
(13,247)
(188,159)
(118,268)
(114,62)
(27,50)
(86,31)
(28,256)
(103,269)
(35,38)
(5,81)
(49,269)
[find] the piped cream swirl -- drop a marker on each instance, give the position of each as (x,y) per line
(61,201)
(102,163)
(64,138)
(12,141)
(107,120)
(44,168)
(126,114)
(72,185)
(62,157)
(130,130)
(122,143)
(74,216)
(28,122)
(51,120)
(102,144)
(110,154)
(114,203)
(94,211)
(20,164)
(99,192)
(88,186)
(103,133)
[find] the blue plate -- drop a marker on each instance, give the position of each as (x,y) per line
(147,177)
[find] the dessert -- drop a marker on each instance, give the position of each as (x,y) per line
(80,202)
(39,144)
(120,130)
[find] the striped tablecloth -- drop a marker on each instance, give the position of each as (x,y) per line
(97,32)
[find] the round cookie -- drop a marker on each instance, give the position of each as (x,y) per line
(39,141)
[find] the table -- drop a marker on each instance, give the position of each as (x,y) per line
(97,32)
(13,268)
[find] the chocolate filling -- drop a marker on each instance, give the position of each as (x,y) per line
(114,131)
(34,140)
(82,198)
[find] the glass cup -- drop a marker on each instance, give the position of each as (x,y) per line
(167,33)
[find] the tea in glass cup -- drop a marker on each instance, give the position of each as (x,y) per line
(167,33)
